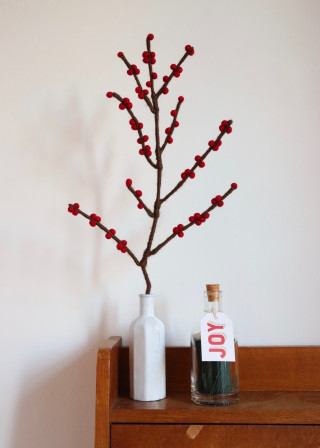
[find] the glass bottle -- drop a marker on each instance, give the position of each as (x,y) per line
(213,382)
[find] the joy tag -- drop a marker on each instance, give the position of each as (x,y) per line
(217,340)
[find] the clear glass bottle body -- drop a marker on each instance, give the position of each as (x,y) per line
(213,382)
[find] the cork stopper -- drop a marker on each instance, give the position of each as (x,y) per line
(213,292)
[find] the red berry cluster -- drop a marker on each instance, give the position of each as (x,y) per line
(149,57)
(178,230)
(189,49)
(144,139)
(224,124)
(133,70)
(234,186)
(199,219)
(74,208)
(176,70)
(125,104)
(217,201)
(133,125)
(141,93)
(201,164)
(110,233)
(122,246)
(147,151)
(215,145)
(139,194)
(154,76)
(187,173)
(94,219)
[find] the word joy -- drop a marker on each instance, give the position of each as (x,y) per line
(216,339)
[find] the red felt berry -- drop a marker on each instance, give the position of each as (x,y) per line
(180,69)
(168,130)
(153,61)
(176,74)
(165,90)
(120,54)
(170,140)
(76,205)
(221,128)
(181,99)
(113,231)
(138,89)
(192,175)
(140,205)
(150,36)
(154,75)
(211,143)
(213,201)
(191,53)
(128,182)
(173,113)
(139,193)
(141,96)
(180,234)
(218,198)
(121,106)
(165,78)
(191,218)
(176,124)
(70,209)
(229,130)
(75,212)
(234,185)
(175,230)
(108,236)
(183,175)
(148,83)
(109,94)
(92,223)
(220,203)
(145,138)
(202,165)
(180,226)
(131,122)
(141,152)
(130,72)
(146,91)
(224,122)
(207,215)
(197,158)
(187,47)
(173,66)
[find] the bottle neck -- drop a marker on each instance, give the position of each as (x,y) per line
(213,304)
(146,304)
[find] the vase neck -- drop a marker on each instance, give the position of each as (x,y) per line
(147,304)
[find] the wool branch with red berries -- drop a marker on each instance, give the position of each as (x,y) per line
(154,157)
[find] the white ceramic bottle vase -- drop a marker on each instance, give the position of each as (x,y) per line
(147,354)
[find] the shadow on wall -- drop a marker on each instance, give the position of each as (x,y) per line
(58,409)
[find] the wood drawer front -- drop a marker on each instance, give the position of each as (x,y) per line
(214,436)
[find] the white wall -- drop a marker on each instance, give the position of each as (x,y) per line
(64,288)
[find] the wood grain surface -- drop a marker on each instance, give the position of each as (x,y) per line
(221,436)
(106,389)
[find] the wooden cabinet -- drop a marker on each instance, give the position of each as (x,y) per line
(279,403)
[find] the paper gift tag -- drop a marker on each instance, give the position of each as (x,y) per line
(217,340)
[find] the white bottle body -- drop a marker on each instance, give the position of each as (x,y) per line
(147,354)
